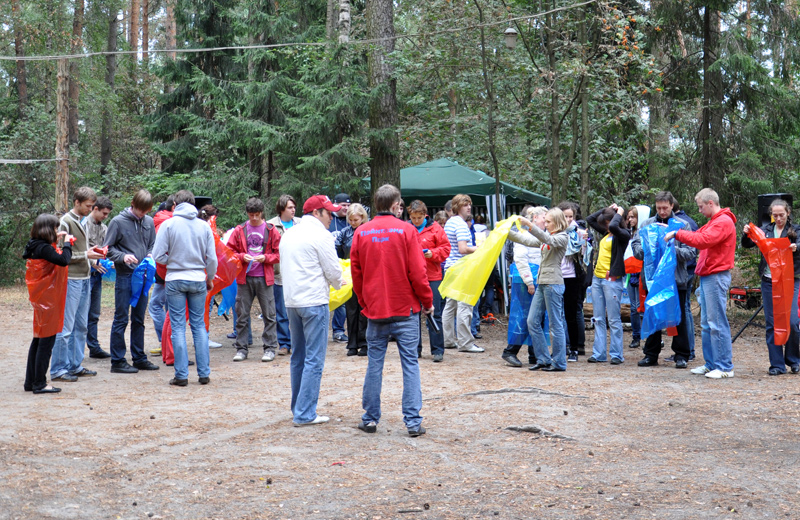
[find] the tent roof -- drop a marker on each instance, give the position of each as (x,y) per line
(437,181)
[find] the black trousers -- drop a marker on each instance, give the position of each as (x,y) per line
(680,343)
(38,363)
(356,324)
(573,304)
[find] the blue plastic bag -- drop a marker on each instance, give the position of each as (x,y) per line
(228,299)
(141,279)
(519,308)
(662,306)
(111,274)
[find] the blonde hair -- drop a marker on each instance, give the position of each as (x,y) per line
(559,219)
(534,211)
(459,201)
(707,195)
(357,209)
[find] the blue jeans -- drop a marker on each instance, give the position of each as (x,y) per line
(437,338)
(95,300)
(158,307)
(180,294)
(550,298)
(339,319)
(68,350)
(781,355)
(284,336)
(309,329)
(689,321)
(636,320)
(715,329)
(476,320)
(606,298)
(407,334)
(122,313)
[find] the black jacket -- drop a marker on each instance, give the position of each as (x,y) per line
(768,230)
(38,249)
(128,235)
(619,241)
(344,241)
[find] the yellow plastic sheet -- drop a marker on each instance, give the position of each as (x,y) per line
(464,281)
(340,296)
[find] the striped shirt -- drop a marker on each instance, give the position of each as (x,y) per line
(457,231)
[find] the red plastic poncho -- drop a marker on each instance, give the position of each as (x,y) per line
(47,291)
(778,255)
(228,267)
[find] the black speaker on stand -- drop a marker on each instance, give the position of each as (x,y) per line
(764,217)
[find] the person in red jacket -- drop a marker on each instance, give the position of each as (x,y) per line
(435,249)
(256,244)
(716,242)
(389,278)
(157,307)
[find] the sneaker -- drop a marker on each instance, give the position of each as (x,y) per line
(680,363)
(437,358)
(691,358)
(573,356)
(232,335)
(214,344)
(86,373)
(362,352)
(124,368)
(283,351)
(795,369)
(594,360)
(719,374)
(420,430)
(320,419)
(241,355)
(616,361)
(155,351)
(700,370)
(449,346)
(269,355)
(69,378)
(648,362)
(204,380)
(472,348)
(101,354)
(512,360)
(370,427)
(145,365)
(340,337)
(178,382)
(352,352)
(634,344)
(670,359)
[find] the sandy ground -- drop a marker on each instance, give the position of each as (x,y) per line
(640,442)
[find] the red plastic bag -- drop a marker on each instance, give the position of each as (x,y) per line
(778,255)
(228,267)
(47,291)
(167,353)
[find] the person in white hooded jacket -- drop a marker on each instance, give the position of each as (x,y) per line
(635,216)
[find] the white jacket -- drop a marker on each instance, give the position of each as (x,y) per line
(524,256)
(309,264)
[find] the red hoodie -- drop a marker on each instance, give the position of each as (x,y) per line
(716,242)
(161,217)
(238,243)
(434,239)
(388,269)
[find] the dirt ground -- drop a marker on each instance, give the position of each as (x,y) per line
(640,442)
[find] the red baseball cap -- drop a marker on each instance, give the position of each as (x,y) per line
(319,202)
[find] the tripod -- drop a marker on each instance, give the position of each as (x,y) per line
(748,323)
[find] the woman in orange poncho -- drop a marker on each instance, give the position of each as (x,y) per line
(46,278)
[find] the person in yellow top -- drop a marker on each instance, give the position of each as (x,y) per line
(609,274)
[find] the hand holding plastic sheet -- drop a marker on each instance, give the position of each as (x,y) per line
(47,292)
(141,279)
(778,255)
(662,307)
(340,296)
(464,281)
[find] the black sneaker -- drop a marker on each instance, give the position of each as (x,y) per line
(362,352)
(352,352)
(573,356)
(146,365)
(670,359)
(204,380)
(123,368)
(648,362)
(370,427)
(634,344)
(416,433)
(616,361)
(178,382)
(86,373)
(69,378)
(680,363)
(99,354)
(512,360)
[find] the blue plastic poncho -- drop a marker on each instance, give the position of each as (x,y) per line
(111,274)
(662,306)
(228,299)
(519,308)
(141,279)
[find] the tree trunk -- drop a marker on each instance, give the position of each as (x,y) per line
(171,27)
(145,34)
(330,20)
(711,169)
(487,81)
(133,35)
(344,21)
(573,147)
(584,99)
(62,138)
(555,121)
(111,70)
(74,88)
(19,50)
(383,141)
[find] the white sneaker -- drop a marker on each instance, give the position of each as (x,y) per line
(320,419)
(240,355)
(472,348)
(269,355)
(702,369)
(719,374)
(214,344)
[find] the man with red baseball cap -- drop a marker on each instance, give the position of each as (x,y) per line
(309,267)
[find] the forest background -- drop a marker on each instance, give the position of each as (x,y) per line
(598,102)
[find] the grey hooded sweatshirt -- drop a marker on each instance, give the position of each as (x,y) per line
(185,244)
(129,235)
